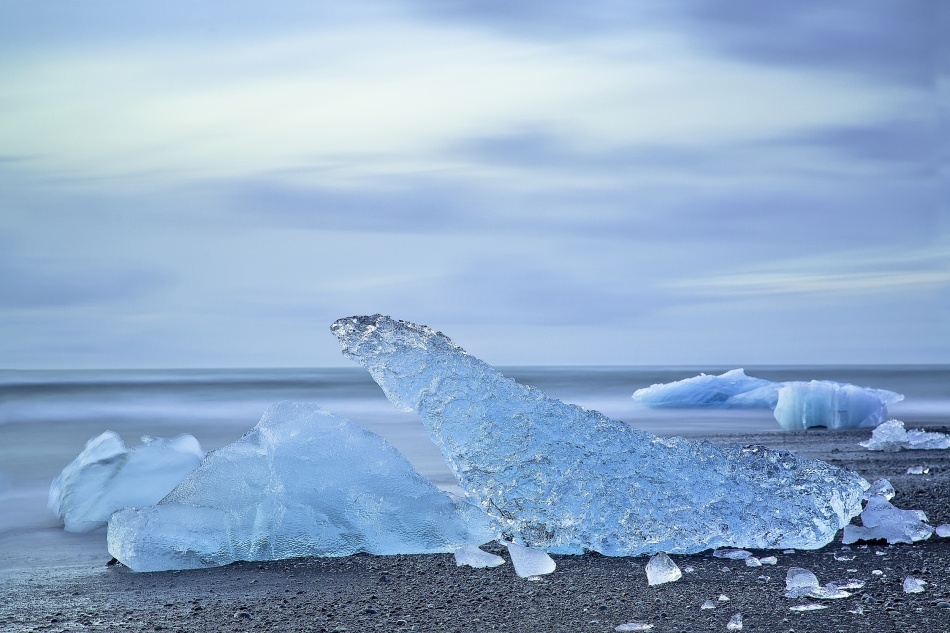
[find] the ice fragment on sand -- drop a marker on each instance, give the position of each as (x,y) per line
(943,530)
(768,560)
(710,391)
(633,626)
(661,569)
(735,623)
(799,582)
(565,479)
(891,436)
(880,487)
(883,521)
(303,482)
(807,607)
(833,405)
(917,470)
(723,598)
(913,585)
(752,561)
(529,561)
(107,476)
(850,583)
(732,554)
(708,604)
(472,556)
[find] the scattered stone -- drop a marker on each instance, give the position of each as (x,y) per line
(943,530)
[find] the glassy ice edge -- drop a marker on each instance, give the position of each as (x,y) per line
(565,479)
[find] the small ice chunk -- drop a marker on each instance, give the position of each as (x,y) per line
(788,551)
(688,569)
(107,476)
(475,557)
(850,583)
(529,561)
(883,521)
(880,487)
(943,530)
(723,598)
(843,557)
(799,582)
(735,623)
(704,391)
(832,405)
(917,470)
(732,554)
(807,607)
(892,436)
(828,592)
(877,572)
(661,569)
(708,604)
(752,561)
(769,560)
(633,626)
(914,585)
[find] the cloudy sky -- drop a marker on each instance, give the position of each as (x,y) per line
(212,183)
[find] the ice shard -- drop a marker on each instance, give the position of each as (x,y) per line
(720,391)
(106,476)
(303,482)
(565,479)
(882,521)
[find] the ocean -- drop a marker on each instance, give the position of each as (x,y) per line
(47,416)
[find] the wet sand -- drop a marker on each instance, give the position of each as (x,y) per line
(585,593)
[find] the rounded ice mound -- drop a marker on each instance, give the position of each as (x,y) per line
(833,405)
(565,479)
(731,390)
(106,476)
(303,482)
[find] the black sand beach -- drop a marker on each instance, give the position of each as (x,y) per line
(585,593)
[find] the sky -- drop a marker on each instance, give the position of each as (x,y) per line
(213,183)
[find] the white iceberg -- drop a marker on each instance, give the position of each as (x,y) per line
(303,482)
(892,436)
(705,391)
(833,405)
(882,521)
(106,476)
(565,479)
(796,405)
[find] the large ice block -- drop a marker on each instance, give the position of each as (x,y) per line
(303,482)
(565,479)
(107,476)
(705,391)
(833,405)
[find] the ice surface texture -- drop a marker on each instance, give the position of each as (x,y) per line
(565,479)
(891,436)
(107,476)
(797,405)
(303,482)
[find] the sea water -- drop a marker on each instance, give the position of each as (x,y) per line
(47,416)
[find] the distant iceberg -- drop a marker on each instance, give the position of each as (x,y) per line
(796,405)
(303,482)
(106,476)
(715,392)
(564,479)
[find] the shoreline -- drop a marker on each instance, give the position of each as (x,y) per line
(585,593)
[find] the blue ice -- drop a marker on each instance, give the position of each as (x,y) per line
(303,482)
(564,479)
